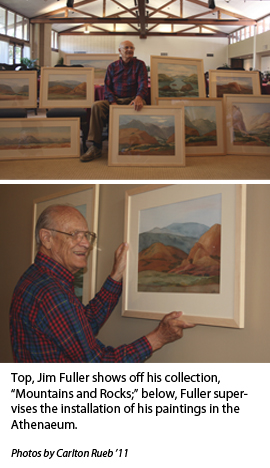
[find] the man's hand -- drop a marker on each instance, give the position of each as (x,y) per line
(120,260)
(137,103)
(169,329)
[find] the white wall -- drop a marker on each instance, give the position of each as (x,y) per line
(192,47)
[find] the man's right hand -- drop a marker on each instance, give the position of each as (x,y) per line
(170,329)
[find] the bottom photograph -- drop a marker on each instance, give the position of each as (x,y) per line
(121,273)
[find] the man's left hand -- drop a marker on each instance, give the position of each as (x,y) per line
(137,103)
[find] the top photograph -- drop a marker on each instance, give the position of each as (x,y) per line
(135,90)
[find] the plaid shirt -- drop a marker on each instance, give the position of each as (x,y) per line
(126,80)
(49,324)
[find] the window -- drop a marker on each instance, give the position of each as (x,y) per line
(2,20)
(11,24)
(54,40)
(262,26)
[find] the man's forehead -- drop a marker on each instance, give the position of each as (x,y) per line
(70,216)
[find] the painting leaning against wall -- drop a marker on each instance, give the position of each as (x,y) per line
(180,247)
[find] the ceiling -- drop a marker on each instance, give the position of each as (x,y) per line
(142,17)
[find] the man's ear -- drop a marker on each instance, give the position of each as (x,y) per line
(45,236)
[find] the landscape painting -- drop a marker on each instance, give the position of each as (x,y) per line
(14,89)
(99,62)
(150,135)
(200,126)
(18,89)
(180,247)
(66,87)
(33,138)
(30,138)
(231,81)
(251,124)
(177,80)
(248,124)
(238,85)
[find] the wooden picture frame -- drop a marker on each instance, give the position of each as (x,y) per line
(204,125)
(190,80)
(153,136)
(66,87)
(99,62)
(233,82)
(40,138)
(164,224)
(247,124)
(18,89)
(86,199)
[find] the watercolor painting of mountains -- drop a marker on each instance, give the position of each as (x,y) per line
(177,80)
(149,135)
(200,126)
(180,247)
(251,123)
(62,87)
(32,138)
(14,89)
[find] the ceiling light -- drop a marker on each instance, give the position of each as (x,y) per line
(211,4)
(70,3)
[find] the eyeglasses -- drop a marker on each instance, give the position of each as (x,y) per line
(128,47)
(78,236)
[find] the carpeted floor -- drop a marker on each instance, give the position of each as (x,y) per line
(197,168)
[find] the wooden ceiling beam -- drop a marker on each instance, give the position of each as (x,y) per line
(128,20)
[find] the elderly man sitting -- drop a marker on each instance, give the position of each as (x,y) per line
(126,82)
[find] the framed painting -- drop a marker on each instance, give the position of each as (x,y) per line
(247,124)
(86,199)
(66,87)
(186,252)
(153,136)
(176,77)
(39,138)
(99,62)
(233,82)
(204,127)
(18,89)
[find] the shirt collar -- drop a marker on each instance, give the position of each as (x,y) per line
(54,269)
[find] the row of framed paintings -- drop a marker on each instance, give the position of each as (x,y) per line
(160,135)
(186,250)
(171,78)
(164,135)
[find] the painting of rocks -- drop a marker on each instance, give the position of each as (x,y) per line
(61,87)
(149,135)
(200,126)
(177,80)
(251,124)
(180,247)
(229,85)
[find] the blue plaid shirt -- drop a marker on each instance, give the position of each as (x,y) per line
(124,80)
(49,324)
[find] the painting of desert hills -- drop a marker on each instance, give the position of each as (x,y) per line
(63,88)
(200,126)
(183,256)
(147,135)
(251,124)
(176,80)
(239,85)
(14,89)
